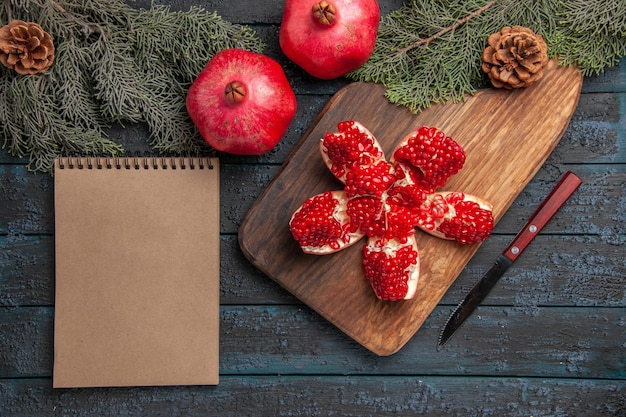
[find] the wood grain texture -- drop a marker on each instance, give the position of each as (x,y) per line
(505,144)
(586,272)
(319,396)
(291,340)
(262,11)
(26,199)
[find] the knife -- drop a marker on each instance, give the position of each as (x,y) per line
(548,208)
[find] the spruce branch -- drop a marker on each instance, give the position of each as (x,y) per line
(114,65)
(590,34)
(7,7)
(443,31)
(87,28)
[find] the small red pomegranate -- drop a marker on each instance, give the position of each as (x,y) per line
(329,38)
(241,102)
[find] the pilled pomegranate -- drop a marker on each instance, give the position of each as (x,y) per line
(329,38)
(241,102)
(386,201)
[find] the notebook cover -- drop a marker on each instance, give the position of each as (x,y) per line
(137,272)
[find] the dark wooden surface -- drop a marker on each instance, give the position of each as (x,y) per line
(549,341)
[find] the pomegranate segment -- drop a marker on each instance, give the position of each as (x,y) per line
(352,145)
(392,267)
(429,157)
(456,216)
(321,224)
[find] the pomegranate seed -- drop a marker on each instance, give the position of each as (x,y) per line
(370,180)
(367,214)
(401,221)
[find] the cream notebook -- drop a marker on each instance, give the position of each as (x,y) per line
(137,271)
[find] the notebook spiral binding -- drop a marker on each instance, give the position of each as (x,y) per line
(135,160)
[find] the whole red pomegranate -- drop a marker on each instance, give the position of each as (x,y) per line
(329,38)
(241,102)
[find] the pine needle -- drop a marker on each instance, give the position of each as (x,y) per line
(113,64)
(430,51)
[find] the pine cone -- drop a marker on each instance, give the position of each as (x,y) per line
(25,47)
(515,57)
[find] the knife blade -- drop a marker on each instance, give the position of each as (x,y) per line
(542,215)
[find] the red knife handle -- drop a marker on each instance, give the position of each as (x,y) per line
(548,208)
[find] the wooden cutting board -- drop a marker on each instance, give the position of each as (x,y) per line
(507,136)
